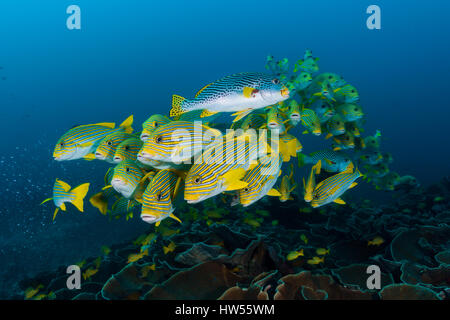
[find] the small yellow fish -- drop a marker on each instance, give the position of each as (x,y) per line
(105,250)
(148,239)
(146,269)
(137,256)
(31,292)
(315,260)
(139,240)
(375,241)
(252,222)
(304,238)
(294,255)
(322,251)
(169,248)
(89,273)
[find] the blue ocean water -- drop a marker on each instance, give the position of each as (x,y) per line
(130,57)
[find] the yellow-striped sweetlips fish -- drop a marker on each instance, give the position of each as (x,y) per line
(152,123)
(287,185)
(62,193)
(332,161)
(335,126)
(260,179)
(108,145)
(222,166)
(330,189)
(123,207)
(347,94)
(177,141)
(81,141)
(344,141)
(241,93)
(158,198)
(127,177)
(311,121)
(310,185)
(128,150)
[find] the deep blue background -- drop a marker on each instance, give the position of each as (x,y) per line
(131,56)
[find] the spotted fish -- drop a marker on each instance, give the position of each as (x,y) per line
(240,93)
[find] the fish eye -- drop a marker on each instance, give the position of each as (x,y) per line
(61,144)
(330,77)
(304,76)
(197,179)
(246,189)
(127,169)
(158,139)
(353,91)
(275,81)
(356,109)
(159,196)
(155,124)
(109,143)
(127,147)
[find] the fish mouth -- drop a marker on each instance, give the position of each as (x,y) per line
(144,137)
(317,132)
(117,159)
(295,116)
(100,156)
(149,218)
(116,182)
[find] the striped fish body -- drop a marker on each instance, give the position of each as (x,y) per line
(151,124)
(221,168)
(157,200)
(323,110)
(333,187)
(123,207)
(126,178)
(237,92)
(82,140)
(62,193)
(331,161)
(333,79)
(108,145)
(128,150)
(274,120)
(260,179)
(177,141)
(311,121)
(344,141)
(347,94)
(254,120)
(335,125)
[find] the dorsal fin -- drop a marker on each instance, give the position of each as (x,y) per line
(200,91)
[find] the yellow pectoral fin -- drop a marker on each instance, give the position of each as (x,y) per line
(48,199)
(89,157)
(158,223)
(317,167)
(248,92)
(336,148)
(63,207)
(305,132)
(274,193)
(175,218)
(353,185)
(55,213)
(339,201)
(107,187)
(241,114)
(328,136)
(232,179)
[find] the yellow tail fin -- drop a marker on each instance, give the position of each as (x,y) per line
(177,109)
(80,193)
(99,201)
(127,124)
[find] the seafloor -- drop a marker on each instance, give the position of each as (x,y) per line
(240,253)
